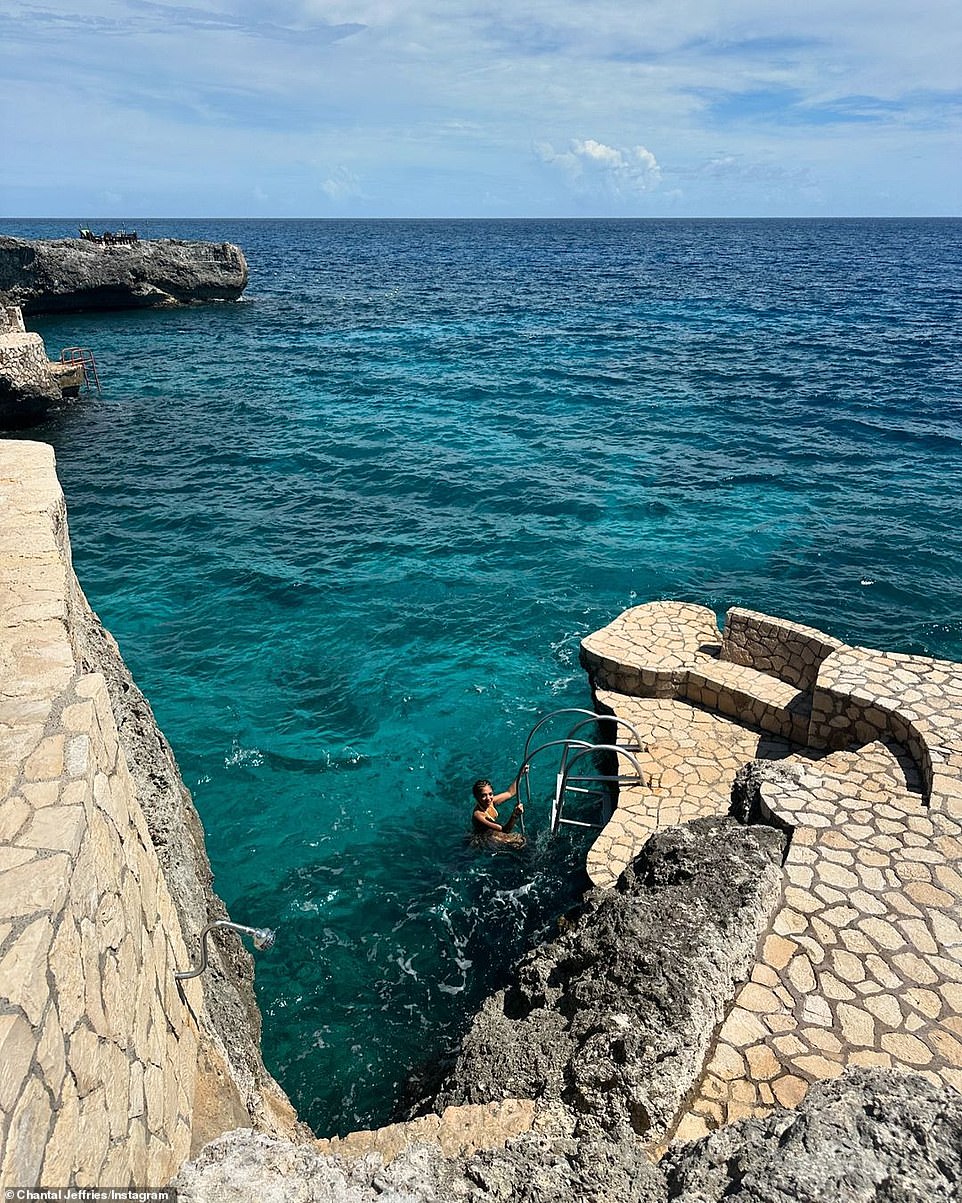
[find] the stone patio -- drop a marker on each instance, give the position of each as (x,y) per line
(862,962)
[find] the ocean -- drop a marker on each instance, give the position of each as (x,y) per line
(350,530)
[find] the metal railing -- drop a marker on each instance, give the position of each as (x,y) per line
(263,938)
(85,358)
(565,781)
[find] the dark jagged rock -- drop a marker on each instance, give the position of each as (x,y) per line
(533,1169)
(75,274)
(748,791)
(610,1023)
(871,1136)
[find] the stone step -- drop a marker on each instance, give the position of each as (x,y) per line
(750,697)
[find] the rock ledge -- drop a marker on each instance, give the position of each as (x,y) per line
(75,275)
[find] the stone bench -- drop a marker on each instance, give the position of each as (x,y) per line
(750,697)
(647,650)
(759,672)
(787,650)
(789,680)
(863,695)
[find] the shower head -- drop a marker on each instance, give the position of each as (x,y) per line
(263,938)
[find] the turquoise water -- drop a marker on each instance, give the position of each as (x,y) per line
(350,531)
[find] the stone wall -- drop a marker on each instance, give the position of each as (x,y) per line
(11,320)
(864,695)
(106,1073)
(787,650)
(23,361)
(99,1054)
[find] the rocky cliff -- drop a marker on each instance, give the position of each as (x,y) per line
(246,1093)
(605,1029)
(871,1136)
(75,274)
(607,1026)
(30,383)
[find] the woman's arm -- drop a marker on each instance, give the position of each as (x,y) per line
(508,793)
(483,819)
(514,814)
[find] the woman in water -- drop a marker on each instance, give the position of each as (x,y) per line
(484,820)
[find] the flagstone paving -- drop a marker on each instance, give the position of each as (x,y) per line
(689,759)
(862,961)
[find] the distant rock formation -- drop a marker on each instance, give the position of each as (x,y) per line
(72,275)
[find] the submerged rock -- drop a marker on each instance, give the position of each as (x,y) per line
(609,1024)
(76,274)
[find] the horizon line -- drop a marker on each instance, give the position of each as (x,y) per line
(515,217)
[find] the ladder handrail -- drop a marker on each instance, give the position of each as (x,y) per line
(554,714)
(613,718)
(616,748)
(558,804)
(580,748)
(592,716)
(529,756)
(88,364)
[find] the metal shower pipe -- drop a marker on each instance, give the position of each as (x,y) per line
(263,938)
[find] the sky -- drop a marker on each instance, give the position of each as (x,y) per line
(480,108)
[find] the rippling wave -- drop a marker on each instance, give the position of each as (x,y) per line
(349,533)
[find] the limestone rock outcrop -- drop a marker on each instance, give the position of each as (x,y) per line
(608,1025)
(871,1136)
(29,382)
(74,274)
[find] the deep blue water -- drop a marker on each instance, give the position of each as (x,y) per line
(349,533)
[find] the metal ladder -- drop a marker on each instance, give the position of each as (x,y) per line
(575,749)
(85,357)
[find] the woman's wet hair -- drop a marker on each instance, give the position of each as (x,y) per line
(479,785)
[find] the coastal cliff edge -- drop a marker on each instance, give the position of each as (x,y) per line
(112,1071)
(72,275)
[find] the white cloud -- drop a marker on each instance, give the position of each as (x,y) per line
(435,104)
(593,168)
(341,184)
(742,170)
